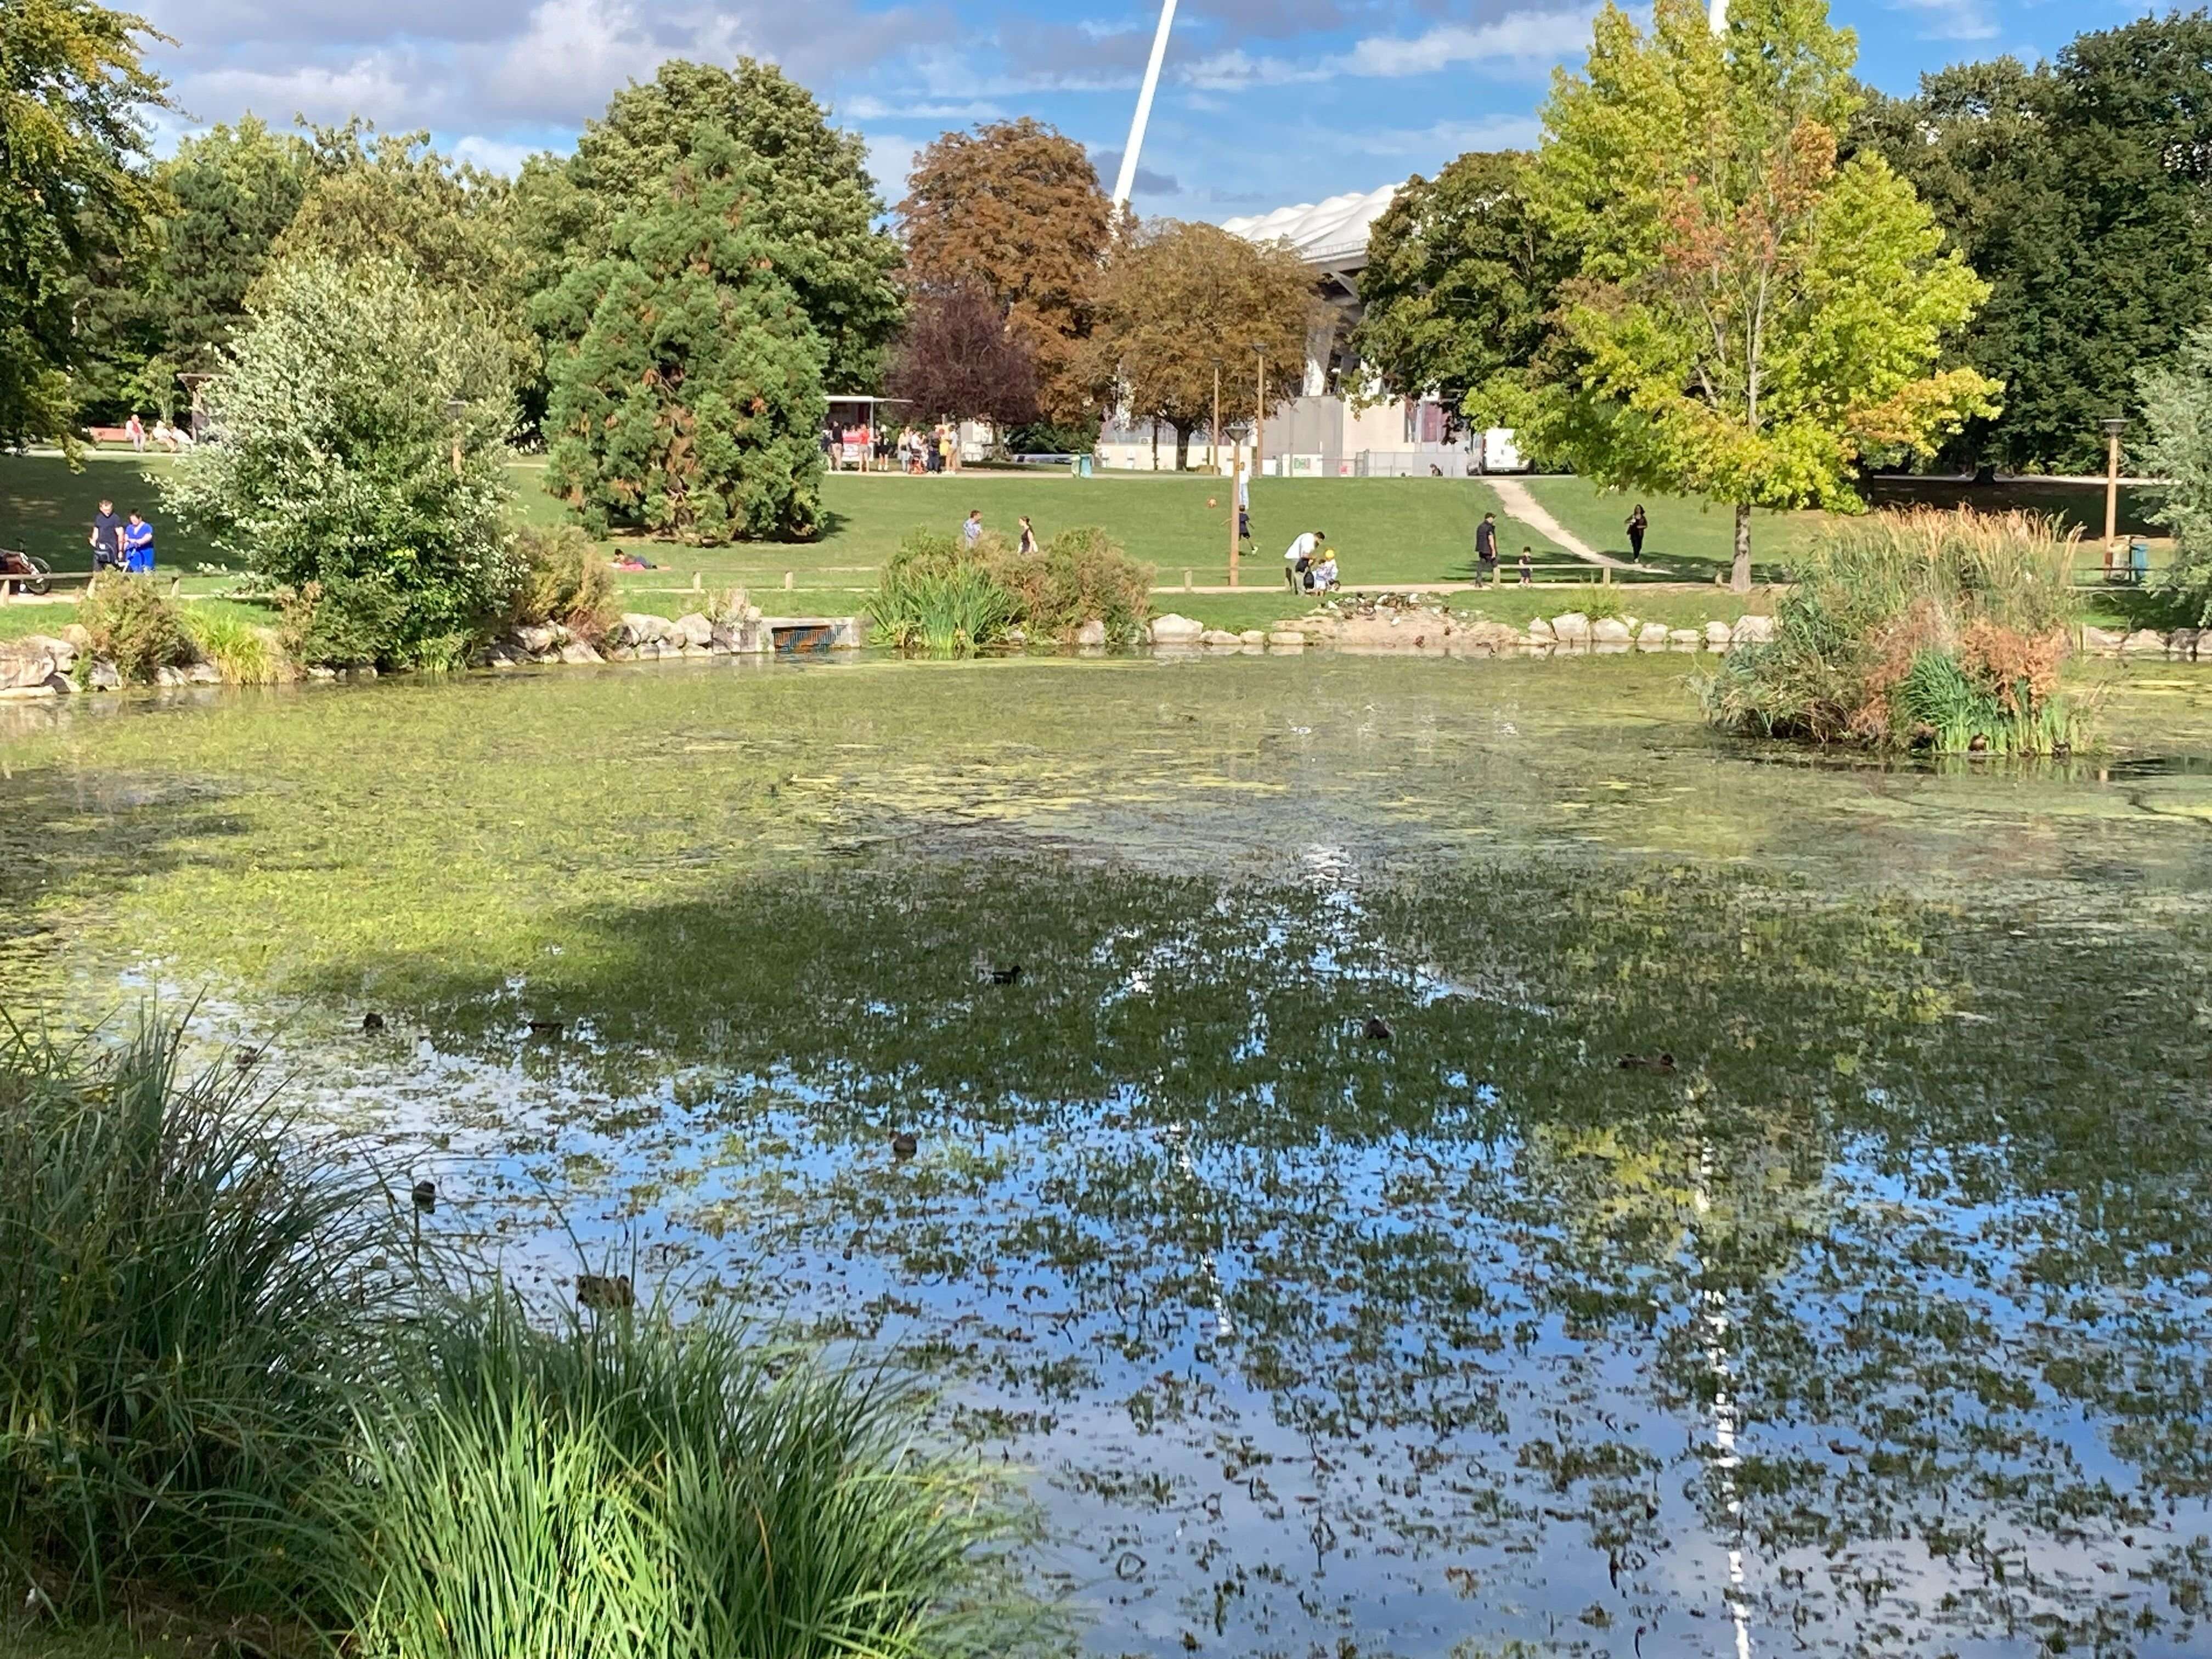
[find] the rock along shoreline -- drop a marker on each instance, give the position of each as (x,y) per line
(39,665)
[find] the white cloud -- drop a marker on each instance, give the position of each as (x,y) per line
(1429,146)
(1952,20)
(1517,40)
(866,108)
(494,155)
(890,158)
(1227,71)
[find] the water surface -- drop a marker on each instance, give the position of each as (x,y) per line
(1876,1325)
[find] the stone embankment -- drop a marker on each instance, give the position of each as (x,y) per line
(1421,622)
(53,666)
(42,665)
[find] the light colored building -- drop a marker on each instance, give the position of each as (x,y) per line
(1321,433)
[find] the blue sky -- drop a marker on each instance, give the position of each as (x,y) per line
(1265,102)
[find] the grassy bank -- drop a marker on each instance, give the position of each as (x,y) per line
(246,1401)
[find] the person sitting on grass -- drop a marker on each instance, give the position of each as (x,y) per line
(1324,575)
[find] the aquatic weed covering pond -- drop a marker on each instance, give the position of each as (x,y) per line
(1894,1288)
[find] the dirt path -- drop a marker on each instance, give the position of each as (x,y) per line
(1520,504)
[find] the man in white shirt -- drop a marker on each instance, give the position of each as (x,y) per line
(1298,558)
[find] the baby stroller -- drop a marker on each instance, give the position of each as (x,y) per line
(20,572)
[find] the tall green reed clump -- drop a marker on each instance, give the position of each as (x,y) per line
(1945,630)
(639,1489)
(185,1282)
(242,653)
(939,595)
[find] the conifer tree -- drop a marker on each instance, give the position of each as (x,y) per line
(692,401)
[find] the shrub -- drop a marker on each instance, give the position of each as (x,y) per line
(134,625)
(242,653)
(638,1487)
(2176,401)
(937,593)
(1921,629)
(564,580)
(345,622)
(362,419)
(181,1278)
(1081,575)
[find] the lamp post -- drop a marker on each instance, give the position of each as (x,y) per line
(2113,428)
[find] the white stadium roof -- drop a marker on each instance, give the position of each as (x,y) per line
(1324,232)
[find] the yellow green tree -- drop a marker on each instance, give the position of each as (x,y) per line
(1753,318)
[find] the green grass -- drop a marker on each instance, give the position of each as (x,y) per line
(181,1288)
(1385,529)
(1698,540)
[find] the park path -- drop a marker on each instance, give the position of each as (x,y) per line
(1513,496)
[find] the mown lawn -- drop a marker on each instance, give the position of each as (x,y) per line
(1385,529)
(1697,540)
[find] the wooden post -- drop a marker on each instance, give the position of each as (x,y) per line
(1213,432)
(1259,420)
(2112,491)
(1235,491)
(786,581)
(1185,582)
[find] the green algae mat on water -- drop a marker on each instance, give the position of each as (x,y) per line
(1873,1320)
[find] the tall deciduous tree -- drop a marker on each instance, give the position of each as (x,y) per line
(362,423)
(393,197)
(1750,318)
(1014,210)
(74,98)
(959,359)
(2081,192)
(816,206)
(692,401)
(1179,302)
(1462,275)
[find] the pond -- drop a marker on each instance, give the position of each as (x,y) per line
(1876,1319)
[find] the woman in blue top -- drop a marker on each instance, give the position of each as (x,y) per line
(138,546)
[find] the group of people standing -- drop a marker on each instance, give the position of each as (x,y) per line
(937,450)
(122,544)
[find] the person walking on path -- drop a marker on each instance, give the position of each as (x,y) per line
(972,532)
(106,539)
(1638,523)
(1527,569)
(138,546)
(1298,558)
(1486,549)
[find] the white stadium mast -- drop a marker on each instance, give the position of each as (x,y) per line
(1127,182)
